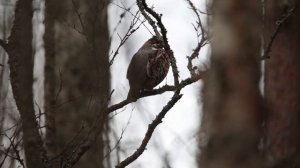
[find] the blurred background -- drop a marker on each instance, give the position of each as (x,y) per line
(63,85)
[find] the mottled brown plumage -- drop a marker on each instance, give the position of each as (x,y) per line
(148,67)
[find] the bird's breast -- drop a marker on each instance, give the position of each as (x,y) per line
(157,69)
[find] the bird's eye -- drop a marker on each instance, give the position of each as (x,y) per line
(157,45)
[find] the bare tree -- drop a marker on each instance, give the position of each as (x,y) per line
(19,49)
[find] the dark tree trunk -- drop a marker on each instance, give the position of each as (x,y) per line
(232,101)
(82,56)
(282,85)
(20,54)
(50,81)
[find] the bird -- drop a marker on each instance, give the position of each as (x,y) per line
(147,68)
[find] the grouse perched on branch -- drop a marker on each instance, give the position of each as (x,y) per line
(148,67)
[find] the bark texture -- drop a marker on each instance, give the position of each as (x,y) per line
(21,74)
(232,101)
(83,82)
(50,80)
(282,85)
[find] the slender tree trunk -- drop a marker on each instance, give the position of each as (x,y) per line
(3,71)
(98,37)
(232,101)
(50,81)
(20,54)
(282,85)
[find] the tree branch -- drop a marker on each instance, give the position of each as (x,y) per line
(158,91)
(4,45)
(149,19)
(132,29)
(279,24)
(150,130)
(202,42)
(143,6)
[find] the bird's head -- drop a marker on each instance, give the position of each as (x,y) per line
(155,43)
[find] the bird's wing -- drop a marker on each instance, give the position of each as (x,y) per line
(138,63)
(136,72)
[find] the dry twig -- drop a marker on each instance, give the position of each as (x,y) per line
(150,130)
(129,32)
(279,24)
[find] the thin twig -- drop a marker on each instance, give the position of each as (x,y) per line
(129,32)
(200,44)
(10,128)
(149,19)
(150,130)
(279,24)
(4,45)
(158,91)
(6,152)
(127,9)
(68,144)
(14,147)
(119,139)
(198,16)
(17,152)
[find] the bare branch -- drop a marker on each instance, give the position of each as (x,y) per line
(158,91)
(129,32)
(127,9)
(198,16)
(17,152)
(143,6)
(194,55)
(119,139)
(6,152)
(279,24)
(68,144)
(201,43)
(150,130)
(10,128)
(4,45)
(148,18)
(14,154)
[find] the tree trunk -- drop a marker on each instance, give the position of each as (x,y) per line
(82,57)
(50,81)
(282,85)
(232,101)
(21,74)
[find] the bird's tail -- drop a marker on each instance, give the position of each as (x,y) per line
(132,95)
